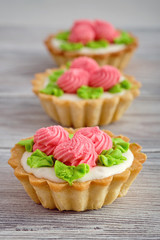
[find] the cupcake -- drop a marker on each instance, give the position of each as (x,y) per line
(83,94)
(97,39)
(76,169)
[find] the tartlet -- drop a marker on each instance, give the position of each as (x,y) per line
(75,111)
(77,195)
(118,53)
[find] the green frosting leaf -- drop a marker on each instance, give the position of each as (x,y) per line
(70,173)
(115,89)
(114,155)
(120,86)
(125,84)
(124,38)
(87,92)
(27,143)
(97,44)
(68,46)
(120,144)
(39,159)
(111,157)
(63,35)
(52,89)
(55,75)
(68,64)
(71,136)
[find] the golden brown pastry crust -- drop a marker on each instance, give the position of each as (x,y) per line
(81,195)
(118,59)
(84,113)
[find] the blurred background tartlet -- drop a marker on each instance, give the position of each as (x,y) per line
(97,39)
(84,94)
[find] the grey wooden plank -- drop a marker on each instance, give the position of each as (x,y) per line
(48,12)
(21,117)
(136,216)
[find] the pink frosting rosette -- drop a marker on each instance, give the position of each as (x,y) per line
(101,140)
(73,79)
(105,77)
(46,139)
(82,31)
(85,63)
(105,30)
(85,22)
(78,150)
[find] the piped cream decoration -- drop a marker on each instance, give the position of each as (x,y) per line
(97,172)
(75,97)
(90,51)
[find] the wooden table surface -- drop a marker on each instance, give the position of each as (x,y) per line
(136,216)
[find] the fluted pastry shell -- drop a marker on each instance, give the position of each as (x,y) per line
(80,196)
(84,113)
(118,59)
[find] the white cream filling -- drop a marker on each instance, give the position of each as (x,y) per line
(98,172)
(86,50)
(75,97)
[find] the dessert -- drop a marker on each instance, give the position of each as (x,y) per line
(83,94)
(76,169)
(97,39)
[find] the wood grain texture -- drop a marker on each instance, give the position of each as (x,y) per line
(136,216)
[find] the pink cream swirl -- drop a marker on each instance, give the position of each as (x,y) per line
(47,139)
(82,31)
(101,140)
(85,22)
(105,77)
(105,30)
(73,79)
(85,63)
(79,149)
